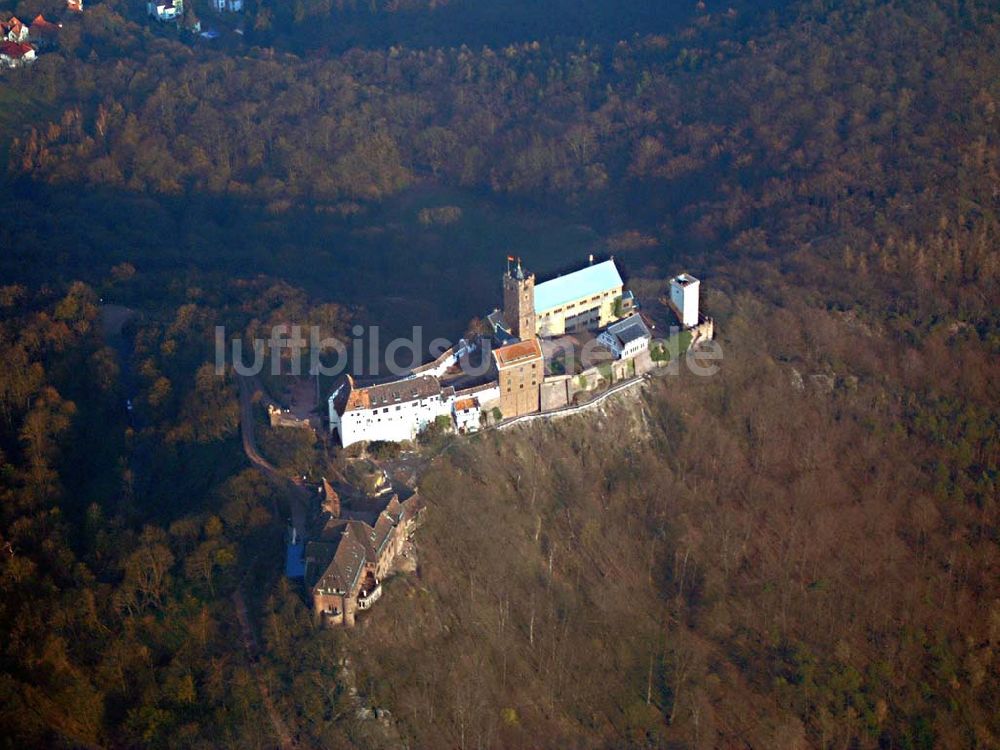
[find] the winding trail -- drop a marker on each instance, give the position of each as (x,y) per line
(300,497)
(298,500)
(285,739)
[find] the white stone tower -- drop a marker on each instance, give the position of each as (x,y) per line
(684,297)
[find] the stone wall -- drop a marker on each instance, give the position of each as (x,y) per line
(279,418)
(555,392)
(704,331)
(588,380)
(643,362)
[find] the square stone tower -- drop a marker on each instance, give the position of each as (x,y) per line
(519,301)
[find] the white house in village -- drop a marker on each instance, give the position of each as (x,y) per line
(684,298)
(467,414)
(12,30)
(393,412)
(228,6)
(166,10)
(626,338)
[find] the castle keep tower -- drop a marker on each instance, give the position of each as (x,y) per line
(684,298)
(519,300)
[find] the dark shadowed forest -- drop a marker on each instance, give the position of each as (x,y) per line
(800,551)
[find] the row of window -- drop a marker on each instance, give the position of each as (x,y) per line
(573,306)
(521,387)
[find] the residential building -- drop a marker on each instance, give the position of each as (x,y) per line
(521,369)
(76,6)
(44,33)
(628,303)
(393,412)
(487,394)
(467,414)
(16,54)
(166,10)
(684,298)
(626,338)
(12,30)
(228,6)
(446,361)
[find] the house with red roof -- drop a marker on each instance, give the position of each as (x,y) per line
(16,54)
(12,30)
(44,33)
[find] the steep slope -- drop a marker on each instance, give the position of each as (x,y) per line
(749,558)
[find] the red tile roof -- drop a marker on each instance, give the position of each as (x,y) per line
(43,27)
(398,391)
(465,403)
(15,49)
(523,351)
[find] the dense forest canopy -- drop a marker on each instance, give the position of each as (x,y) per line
(798,552)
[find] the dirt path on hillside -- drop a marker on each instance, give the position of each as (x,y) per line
(285,739)
(299,497)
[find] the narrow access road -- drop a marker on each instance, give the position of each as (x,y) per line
(300,497)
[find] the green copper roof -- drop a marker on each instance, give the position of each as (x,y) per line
(583,283)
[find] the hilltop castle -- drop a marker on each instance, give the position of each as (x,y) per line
(590,299)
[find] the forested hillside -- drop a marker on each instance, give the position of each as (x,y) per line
(745,560)
(798,552)
(848,133)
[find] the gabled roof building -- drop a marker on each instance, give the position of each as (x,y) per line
(344,568)
(16,54)
(626,338)
(166,10)
(44,32)
(393,412)
(12,30)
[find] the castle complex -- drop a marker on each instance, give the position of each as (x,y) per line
(344,566)
(591,299)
